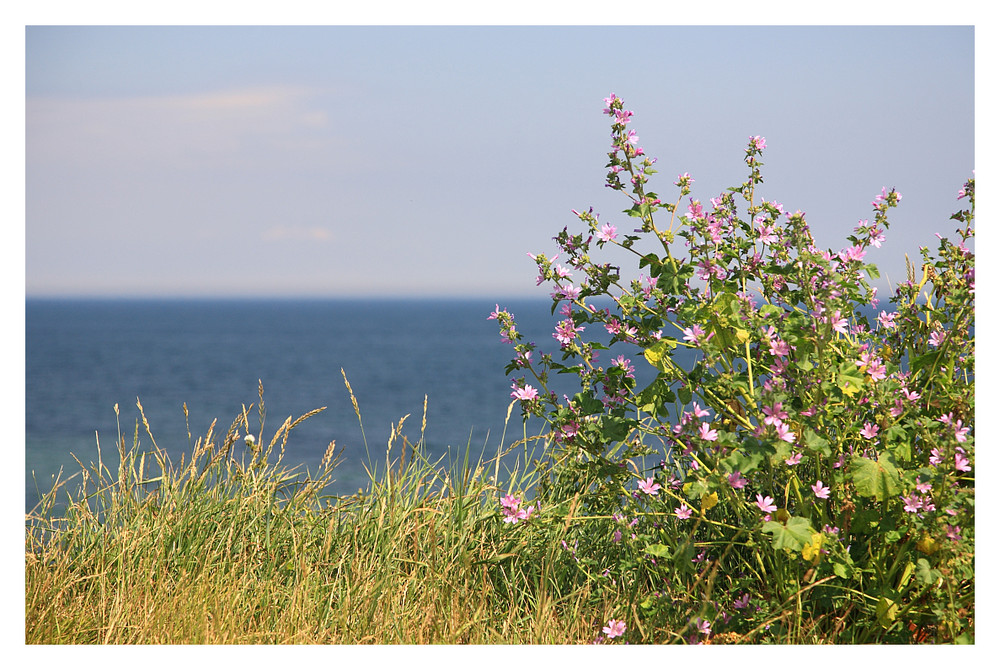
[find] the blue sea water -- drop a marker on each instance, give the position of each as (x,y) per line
(84,356)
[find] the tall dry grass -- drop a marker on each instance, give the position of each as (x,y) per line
(232,546)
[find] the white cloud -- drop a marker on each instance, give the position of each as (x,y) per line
(230,128)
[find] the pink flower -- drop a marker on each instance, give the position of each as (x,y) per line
(758,142)
(962,463)
(888,320)
(793,459)
(614,628)
(736,480)
(649,486)
(510,501)
(876,371)
(766,503)
(705,432)
(784,433)
(774,414)
(839,324)
(779,347)
(607,233)
(683,512)
(820,490)
(566,330)
(952,532)
(869,431)
(960,431)
(526,393)
(855,253)
(912,503)
(704,627)
(693,334)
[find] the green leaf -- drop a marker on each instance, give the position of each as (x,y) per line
(925,573)
(923,361)
(659,550)
(842,570)
(658,353)
(743,462)
(849,378)
(614,429)
(816,444)
(879,479)
(588,404)
(886,610)
(792,535)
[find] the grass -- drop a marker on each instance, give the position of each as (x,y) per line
(233,547)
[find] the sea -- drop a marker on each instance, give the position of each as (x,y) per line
(84,357)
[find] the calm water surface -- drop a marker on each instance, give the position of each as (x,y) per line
(84,356)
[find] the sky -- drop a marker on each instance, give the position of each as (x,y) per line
(429,160)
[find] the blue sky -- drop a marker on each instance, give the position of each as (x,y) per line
(411,160)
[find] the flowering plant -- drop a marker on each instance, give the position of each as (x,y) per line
(809,454)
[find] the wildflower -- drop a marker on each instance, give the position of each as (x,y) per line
(704,627)
(953,532)
(784,433)
(962,463)
(566,330)
(707,433)
(774,415)
(779,347)
(766,503)
(649,486)
(607,232)
(683,512)
(888,320)
(510,501)
(960,431)
(869,431)
(742,601)
(937,337)
(912,503)
(614,628)
(249,440)
(758,142)
(528,392)
(839,323)
(617,537)
(935,458)
(793,459)
(855,253)
(693,334)
(877,370)
(820,490)
(767,235)
(736,480)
